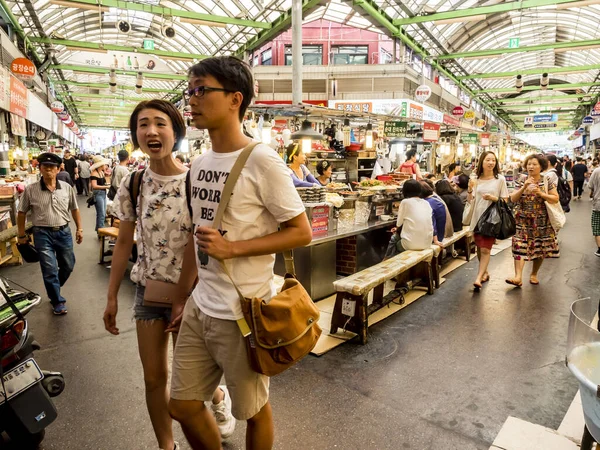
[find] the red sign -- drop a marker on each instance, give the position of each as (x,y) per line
(458,111)
(18,98)
(597,107)
(431,132)
(415,112)
(449,120)
(22,68)
(484,138)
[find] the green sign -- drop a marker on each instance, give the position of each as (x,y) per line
(494,129)
(148,44)
(514,42)
(395,129)
(471,138)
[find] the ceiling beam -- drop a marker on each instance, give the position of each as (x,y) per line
(469,12)
(515,100)
(163,12)
(133,73)
(107,96)
(117,48)
(566,86)
(560,113)
(105,86)
(19,30)
(541,105)
(531,48)
(550,70)
(278,26)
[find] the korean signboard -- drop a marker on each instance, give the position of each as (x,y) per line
(18,97)
(356,107)
(404,108)
(22,68)
(470,138)
(4,89)
(423,93)
(395,129)
(431,132)
(449,120)
(485,139)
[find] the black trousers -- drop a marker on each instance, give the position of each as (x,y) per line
(578,187)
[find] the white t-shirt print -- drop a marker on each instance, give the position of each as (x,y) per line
(263,197)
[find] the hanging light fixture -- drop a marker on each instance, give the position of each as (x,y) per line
(112,81)
(346,131)
(544,81)
(266,130)
(509,152)
(519,83)
(307,135)
(369,137)
(473,149)
(460,150)
(139,83)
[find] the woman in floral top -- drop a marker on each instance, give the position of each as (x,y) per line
(162,225)
(535,238)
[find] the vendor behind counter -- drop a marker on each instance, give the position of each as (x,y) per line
(296,161)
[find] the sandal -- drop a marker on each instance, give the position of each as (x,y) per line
(534,280)
(477,286)
(513,282)
(485,279)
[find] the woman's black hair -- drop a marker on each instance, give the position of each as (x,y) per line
(322,166)
(443,187)
(426,188)
(410,154)
(541,159)
(463,181)
(291,152)
(411,188)
(165,107)
(480,164)
(451,167)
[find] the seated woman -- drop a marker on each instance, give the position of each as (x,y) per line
(452,201)
(415,225)
(324,169)
(438,207)
(296,161)
(462,187)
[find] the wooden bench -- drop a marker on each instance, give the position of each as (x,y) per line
(355,289)
(111,232)
(8,238)
(465,235)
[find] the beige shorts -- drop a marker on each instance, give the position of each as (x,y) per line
(208,348)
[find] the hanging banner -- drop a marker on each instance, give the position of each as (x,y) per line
(588,120)
(423,93)
(395,129)
(597,107)
(595,113)
(4,89)
(18,97)
(449,120)
(22,68)
(481,123)
(458,111)
(57,107)
(494,129)
(469,115)
(485,139)
(470,138)
(431,132)
(18,125)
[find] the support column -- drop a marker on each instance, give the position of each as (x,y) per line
(296,52)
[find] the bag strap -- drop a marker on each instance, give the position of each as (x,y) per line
(135,183)
(188,193)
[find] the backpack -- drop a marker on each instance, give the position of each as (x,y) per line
(135,184)
(564,192)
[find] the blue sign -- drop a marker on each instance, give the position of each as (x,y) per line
(595,113)
(545,118)
(581,129)
(588,120)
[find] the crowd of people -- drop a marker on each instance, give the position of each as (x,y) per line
(190,270)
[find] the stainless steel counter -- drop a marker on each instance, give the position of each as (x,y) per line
(347,232)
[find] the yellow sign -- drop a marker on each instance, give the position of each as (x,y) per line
(481,123)
(469,115)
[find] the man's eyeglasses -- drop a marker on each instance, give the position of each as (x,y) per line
(199,91)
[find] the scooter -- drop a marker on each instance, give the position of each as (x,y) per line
(26,407)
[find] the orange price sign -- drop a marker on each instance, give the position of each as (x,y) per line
(22,68)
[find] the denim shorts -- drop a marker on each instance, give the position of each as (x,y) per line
(141,312)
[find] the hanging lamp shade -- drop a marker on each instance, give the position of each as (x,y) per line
(307,132)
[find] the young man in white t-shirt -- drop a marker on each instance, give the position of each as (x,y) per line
(210,343)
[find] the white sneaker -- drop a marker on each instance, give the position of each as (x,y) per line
(222,412)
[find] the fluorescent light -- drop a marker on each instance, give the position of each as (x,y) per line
(578,4)
(579,47)
(460,19)
(79,5)
(84,49)
(203,22)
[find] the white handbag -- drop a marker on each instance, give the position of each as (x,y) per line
(555,212)
(468,211)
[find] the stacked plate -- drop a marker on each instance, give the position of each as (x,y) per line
(312,195)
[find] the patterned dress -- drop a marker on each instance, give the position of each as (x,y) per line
(535,238)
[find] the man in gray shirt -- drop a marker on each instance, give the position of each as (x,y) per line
(84,175)
(120,171)
(594,185)
(51,202)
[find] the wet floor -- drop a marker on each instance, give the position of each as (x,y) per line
(444,372)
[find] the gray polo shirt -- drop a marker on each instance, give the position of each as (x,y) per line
(49,209)
(594,185)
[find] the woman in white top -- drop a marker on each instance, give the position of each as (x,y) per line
(489,187)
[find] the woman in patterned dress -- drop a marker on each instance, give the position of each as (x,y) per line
(535,238)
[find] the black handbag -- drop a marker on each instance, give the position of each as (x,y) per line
(28,252)
(508,226)
(496,221)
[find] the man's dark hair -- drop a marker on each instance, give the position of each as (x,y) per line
(541,159)
(463,181)
(443,187)
(480,164)
(451,167)
(552,159)
(232,73)
(123,155)
(411,188)
(164,107)
(579,159)
(410,154)
(426,188)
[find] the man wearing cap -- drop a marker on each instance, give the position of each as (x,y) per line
(71,166)
(50,201)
